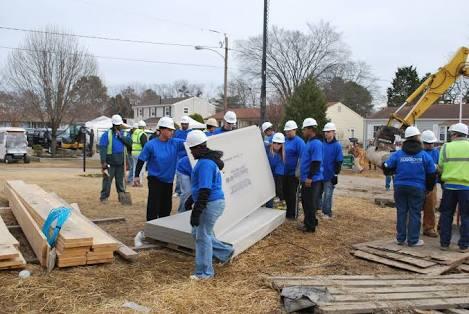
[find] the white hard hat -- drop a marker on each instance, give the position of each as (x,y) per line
(460,128)
(135,125)
(309,122)
(165,122)
(290,125)
(411,131)
(230,117)
(185,119)
(142,124)
(278,138)
(428,137)
(195,138)
(117,120)
(212,122)
(329,127)
(266,125)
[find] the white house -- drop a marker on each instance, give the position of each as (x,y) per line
(349,123)
(174,108)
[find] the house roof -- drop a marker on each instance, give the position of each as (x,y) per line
(241,114)
(436,112)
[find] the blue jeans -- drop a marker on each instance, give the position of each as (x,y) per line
(132,163)
(326,200)
(185,186)
(451,198)
(206,245)
(409,202)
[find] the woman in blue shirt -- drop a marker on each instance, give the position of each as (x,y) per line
(415,173)
(208,202)
(276,156)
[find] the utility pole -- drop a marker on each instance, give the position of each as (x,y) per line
(264,64)
(225,83)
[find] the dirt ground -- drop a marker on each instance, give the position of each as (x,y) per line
(159,279)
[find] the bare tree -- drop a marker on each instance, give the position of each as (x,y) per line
(459,88)
(46,67)
(293,56)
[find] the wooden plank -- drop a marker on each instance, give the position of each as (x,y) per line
(431,270)
(8,251)
(5,236)
(96,221)
(15,263)
(35,200)
(395,256)
(32,232)
(390,289)
(400,296)
(369,307)
(5,210)
(387,277)
(457,311)
(100,261)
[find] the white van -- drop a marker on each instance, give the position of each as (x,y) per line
(13,145)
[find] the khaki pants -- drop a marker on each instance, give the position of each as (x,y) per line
(429,211)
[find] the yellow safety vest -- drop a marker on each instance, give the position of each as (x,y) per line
(136,144)
(454,162)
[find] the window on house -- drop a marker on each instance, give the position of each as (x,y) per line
(443,133)
(153,112)
(140,112)
(186,110)
(167,111)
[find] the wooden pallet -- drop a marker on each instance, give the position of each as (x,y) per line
(80,241)
(428,259)
(10,255)
(368,294)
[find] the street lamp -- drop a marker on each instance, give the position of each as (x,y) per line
(225,83)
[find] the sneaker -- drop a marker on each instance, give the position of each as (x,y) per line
(463,250)
(399,242)
(430,233)
(419,243)
(326,217)
(194,277)
(444,248)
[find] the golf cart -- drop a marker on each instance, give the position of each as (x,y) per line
(13,145)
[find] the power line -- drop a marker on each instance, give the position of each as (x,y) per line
(98,37)
(126,59)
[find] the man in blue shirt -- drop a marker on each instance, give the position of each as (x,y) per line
(229,123)
(184,130)
(415,173)
(208,200)
(332,164)
(293,147)
(429,140)
(161,157)
(212,125)
(311,174)
(112,145)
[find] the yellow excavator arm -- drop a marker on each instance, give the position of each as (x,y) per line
(433,88)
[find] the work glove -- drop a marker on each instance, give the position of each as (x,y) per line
(195,217)
(334,180)
(188,204)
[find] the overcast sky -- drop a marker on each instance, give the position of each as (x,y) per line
(385,34)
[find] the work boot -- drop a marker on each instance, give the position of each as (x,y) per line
(430,233)
(419,243)
(303,228)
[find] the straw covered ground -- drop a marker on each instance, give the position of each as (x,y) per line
(159,279)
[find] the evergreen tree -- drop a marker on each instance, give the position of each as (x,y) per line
(404,83)
(307,101)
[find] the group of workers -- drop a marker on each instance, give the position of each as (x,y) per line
(417,168)
(303,168)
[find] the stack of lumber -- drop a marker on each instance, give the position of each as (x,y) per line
(370,294)
(80,241)
(10,256)
(427,259)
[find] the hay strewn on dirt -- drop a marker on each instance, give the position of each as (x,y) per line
(159,279)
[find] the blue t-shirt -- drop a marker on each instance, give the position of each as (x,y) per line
(182,134)
(311,152)
(184,166)
(293,148)
(434,153)
(117,144)
(161,158)
(276,162)
(332,153)
(206,175)
(208,133)
(410,170)
(220,130)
